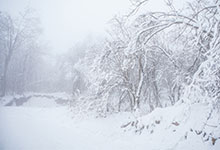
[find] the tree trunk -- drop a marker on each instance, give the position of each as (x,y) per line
(139,87)
(156,94)
(4,78)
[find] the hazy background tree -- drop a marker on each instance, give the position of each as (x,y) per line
(19,46)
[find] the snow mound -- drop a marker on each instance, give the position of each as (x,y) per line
(37,100)
(40,102)
(179,127)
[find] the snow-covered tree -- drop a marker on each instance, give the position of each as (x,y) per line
(18,38)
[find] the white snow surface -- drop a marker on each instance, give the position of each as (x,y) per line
(56,128)
(40,102)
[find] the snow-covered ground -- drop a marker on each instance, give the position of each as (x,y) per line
(37,127)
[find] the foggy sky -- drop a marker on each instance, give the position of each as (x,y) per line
(66,22)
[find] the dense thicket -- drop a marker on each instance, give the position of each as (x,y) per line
(155,59)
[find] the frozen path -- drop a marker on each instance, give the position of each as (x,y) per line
(27,128)
(35,128)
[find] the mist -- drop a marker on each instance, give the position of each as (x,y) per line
(70,21)
(95,74)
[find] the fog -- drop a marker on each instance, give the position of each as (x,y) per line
(109,74)
(66,22)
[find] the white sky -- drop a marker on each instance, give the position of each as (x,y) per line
(66,22)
